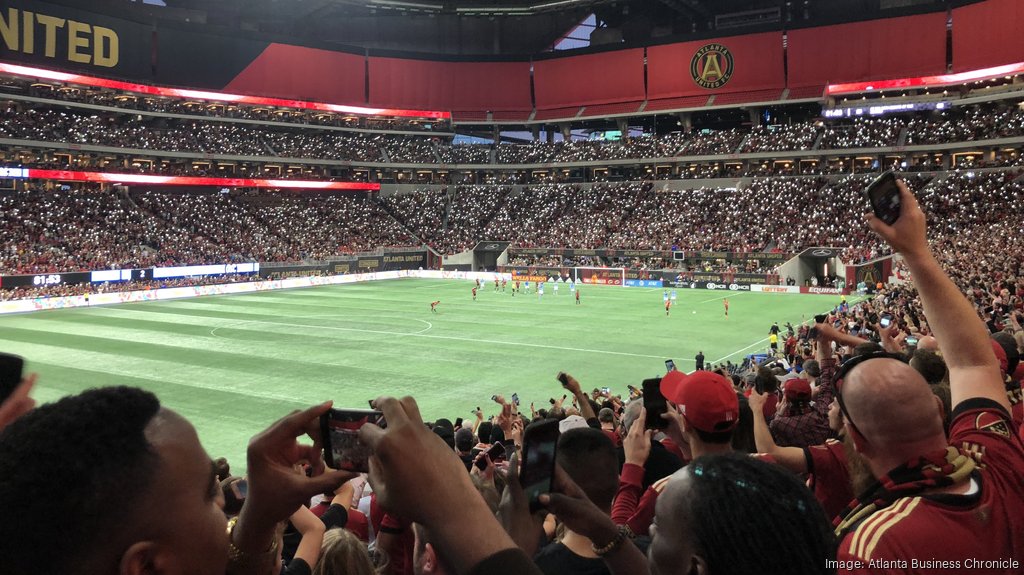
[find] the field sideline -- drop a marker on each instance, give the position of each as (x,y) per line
(232,364)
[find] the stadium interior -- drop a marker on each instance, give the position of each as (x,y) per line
(155,151)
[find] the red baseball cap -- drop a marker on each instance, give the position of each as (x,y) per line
(797,389)
(706,399)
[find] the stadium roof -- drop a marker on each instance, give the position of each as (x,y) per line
(506,27)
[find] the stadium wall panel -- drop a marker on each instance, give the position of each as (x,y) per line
(988,34)
(202,60)
(873,50)
(603,78)
(425,84)
(757,62)
(286,71)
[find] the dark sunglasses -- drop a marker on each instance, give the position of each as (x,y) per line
(848,366)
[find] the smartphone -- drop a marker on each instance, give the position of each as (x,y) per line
(655,404)
(563,379)
(911,341)
(11,372)
(606,390)
(669,365)
(515,399)
(494,398)
(884,196)
(885,321)
(495,452)
(540,441)
(339,429)
(873,318)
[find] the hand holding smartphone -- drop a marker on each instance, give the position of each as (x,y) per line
(540,441)
(11,373)
(339,431)
(884,197)
(655,404)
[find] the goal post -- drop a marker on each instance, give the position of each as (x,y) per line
(600,276)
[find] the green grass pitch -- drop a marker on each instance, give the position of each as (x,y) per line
(233,364)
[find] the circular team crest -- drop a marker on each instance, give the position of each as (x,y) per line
(712,66)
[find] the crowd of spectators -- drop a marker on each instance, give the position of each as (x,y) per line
(156,135)
(67,230)
(863,133)
(866,444)
(215,109)
(48,231)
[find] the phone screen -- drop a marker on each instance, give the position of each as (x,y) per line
(11,368)
(655,404)
(539,442)
(563,379)
(884,196)
(885,321)
(339,429)
(669,365)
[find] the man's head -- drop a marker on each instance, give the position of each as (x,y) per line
(589,458)
(812,369)
(606,416)
(1009,345)
(930,365)
(464,440)
(707,402)
(889,411)
(732,514)
(113,483)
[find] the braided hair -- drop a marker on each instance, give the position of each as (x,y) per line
(748,516)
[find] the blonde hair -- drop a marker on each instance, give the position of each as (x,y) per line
(342,553)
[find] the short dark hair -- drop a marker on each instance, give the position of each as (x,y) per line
(589,458)
(742,512)
(71,473)
(1009,345)
(930,365)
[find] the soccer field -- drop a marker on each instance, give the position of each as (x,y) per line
(233,364)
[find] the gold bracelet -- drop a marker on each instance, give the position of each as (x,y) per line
(238,557)
(614,544)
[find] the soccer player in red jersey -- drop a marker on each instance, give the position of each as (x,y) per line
(504,282)
(927,503)
(725,302)
(577,295)
(474,294)
(668,306)
(495,285)
(433,305)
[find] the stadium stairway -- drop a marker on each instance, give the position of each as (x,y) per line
(384,207)
(817,141)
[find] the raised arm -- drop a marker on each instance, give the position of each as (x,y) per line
(312,531)
(573,387)
(962,337)
(792,458)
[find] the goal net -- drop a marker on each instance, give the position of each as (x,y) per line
(602,276)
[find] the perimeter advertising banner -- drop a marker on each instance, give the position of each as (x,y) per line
(58,37)
(690,256)
(716,281)
(387,262)
(536,274)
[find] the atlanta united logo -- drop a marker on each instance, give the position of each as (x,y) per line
(712,66)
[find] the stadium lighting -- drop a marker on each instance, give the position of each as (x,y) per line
(121,179)
(28,72)
(927,81)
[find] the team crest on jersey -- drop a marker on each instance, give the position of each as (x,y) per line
(712,66)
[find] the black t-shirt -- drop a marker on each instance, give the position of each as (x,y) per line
(660,463)
(775,329)
(557,559)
